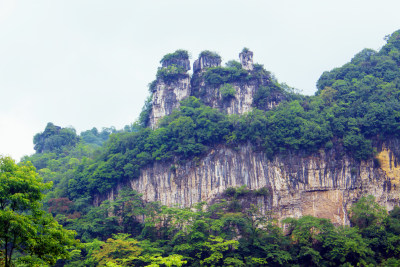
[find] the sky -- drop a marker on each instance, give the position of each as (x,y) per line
(86,64)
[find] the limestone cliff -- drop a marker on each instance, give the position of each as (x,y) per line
(166,97)
(168,94)
(246,59)
(242,101)
(322,184)
(206,61)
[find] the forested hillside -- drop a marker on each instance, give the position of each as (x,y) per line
(356,107)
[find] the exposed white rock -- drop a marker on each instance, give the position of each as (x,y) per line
(166,98)
(246,59)
(323,184)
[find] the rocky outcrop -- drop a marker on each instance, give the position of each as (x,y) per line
(242,101)
(204,62)
(184,63)
(246,59)
(166,97)
(323,184)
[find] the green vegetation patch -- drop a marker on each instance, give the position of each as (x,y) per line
(219,75)
(227,91)
(210,54)
(169,74)
(177,55)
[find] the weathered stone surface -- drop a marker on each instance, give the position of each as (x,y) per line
(184,63)
(242,101)
(166,97)
(206,62)
(323,184)
(246,59)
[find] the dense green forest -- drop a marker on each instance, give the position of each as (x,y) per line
(355,106)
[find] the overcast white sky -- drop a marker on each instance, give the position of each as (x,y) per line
(87,63)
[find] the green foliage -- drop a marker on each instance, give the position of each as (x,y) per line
(366,212)
(209,54)
(54,139)
(227,91)
(219,75)
(237,192)
(171,73)
(24,228)
(355,105)
(317,242)
(234,73)
(117,250)
(190,131)
(233,64)
(263,95)
(213,235)
(358,145)
(144,117)
(177,55)
(363,96)
(152,86)
(96,138)
(243,192)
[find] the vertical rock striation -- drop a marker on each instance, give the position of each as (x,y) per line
(204,62)
(184,63)
(323,184)
(167,95)
(169,92)
(166,98)
(243,100)
(246,59)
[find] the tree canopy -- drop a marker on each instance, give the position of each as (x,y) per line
(24,228)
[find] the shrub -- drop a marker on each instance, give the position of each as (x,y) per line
(219,75)
(227,91)
(262,95)
(233,64)
(245,50)
(152,86)
(170,73)
(210,54)
(144,116)
(329,145)
(237,192)
(263,191)
(178,54)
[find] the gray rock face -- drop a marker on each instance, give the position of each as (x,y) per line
(184,63)
(205,62)
(166,98)
(246,59)
(242,101)
(323,184)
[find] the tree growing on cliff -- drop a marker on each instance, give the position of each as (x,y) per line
(24,227)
